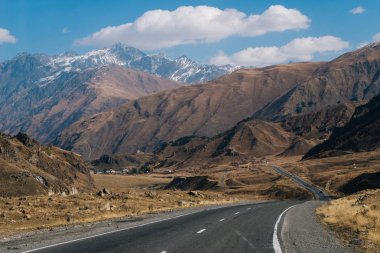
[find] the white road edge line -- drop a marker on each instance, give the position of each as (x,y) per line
(237,212)
(201,231)
(221,220)
(123,229)
(276,242)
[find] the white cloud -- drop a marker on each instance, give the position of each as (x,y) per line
(376,37)
(65,30)
(6,36)
(299,49)
(357,10)
(201,24)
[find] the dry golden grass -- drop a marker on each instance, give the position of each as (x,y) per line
(249,180)
(333,172)
(27,213)
(135,195)
(356,218)
(255,181)
(122,183)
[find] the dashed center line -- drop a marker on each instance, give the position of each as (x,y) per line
(201,231)
(248,208)
(221,220)
(164,251)
(237,212)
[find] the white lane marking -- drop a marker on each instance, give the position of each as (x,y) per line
(164,251)
(248,208)
(201,231)
(276,242)
(237,212)
(123,229)
(221,220)
(119,230)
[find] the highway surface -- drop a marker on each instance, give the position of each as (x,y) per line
(318,193)
(277,226)
(244,228)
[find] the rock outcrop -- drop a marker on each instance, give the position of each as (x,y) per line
(28,168)
(361,133)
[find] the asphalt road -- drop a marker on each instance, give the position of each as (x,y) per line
(244,228)
(278,226)
(318,193)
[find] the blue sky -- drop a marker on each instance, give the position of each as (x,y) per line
(56,26)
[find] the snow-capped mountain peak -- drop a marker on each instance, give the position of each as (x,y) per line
(181,69)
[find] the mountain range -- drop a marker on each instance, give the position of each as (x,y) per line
(42,95)
(308,100)
(201,110)
(181,69)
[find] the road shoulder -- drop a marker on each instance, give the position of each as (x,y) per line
(302,232)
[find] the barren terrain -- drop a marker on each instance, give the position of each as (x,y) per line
(40,212)
(332,173)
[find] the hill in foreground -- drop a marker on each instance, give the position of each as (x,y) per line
(28,168)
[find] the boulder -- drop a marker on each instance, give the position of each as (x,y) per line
(193,193)
(106,191)
(106,207)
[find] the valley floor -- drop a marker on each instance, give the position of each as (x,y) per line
(20,214)
(135,196)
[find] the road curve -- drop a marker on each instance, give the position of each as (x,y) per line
(241,228)
(318,193)
(256,227)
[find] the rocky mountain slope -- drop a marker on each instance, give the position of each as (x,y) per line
(36,99)
(253,139)
(248,139)
(308,99)
(354,76)
(28,168)
(202,110)
(361,133)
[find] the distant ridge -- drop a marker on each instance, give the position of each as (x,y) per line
(307,99)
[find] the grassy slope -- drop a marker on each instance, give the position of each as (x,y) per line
(356,218)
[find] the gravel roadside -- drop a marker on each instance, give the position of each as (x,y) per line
(302,232)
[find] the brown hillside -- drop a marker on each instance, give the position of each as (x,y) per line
(28,168)
(309,99)
(202,110)
(249,139)
(362,133)
(352,77)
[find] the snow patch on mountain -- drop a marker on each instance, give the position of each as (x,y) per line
(181,69)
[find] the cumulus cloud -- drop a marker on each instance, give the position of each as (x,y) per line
(357,10)
(376,37)
(299,49)
(201,24)
(6,36)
